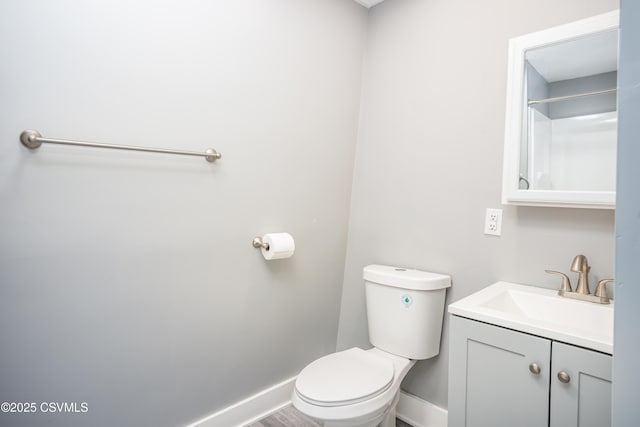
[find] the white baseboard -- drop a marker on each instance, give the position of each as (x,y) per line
(420,413)
(251,409)
(411,409)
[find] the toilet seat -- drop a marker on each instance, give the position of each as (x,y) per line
(345,378)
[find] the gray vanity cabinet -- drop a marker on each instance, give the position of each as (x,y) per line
(490,383)
(500,377)
(585,400)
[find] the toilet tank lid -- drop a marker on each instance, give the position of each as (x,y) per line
(405,278)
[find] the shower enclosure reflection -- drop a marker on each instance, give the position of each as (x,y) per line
(561,129)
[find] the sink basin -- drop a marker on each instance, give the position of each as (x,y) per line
(541,312)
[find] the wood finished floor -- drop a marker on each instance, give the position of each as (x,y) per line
(291,417)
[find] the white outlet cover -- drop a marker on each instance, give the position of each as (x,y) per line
(493,222)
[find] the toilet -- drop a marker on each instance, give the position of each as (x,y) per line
(361,388)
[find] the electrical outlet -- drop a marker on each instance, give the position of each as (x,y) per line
(493,222)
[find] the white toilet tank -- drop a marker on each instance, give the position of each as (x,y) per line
(405,309)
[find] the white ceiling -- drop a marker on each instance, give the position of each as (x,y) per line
(368,3)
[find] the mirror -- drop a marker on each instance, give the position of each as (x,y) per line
(561,120)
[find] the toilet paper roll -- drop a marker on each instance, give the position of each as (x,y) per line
(281,245)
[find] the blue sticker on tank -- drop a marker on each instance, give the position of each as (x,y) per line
(407,300)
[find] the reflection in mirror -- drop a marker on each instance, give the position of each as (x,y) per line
(561,115)
(571,118)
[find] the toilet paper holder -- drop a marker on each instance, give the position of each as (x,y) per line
(275,245)
(258,243)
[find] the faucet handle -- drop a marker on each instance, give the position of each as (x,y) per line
(566,283)
(601,289)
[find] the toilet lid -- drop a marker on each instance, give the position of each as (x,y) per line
(344,378)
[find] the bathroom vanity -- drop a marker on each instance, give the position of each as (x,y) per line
(524,356)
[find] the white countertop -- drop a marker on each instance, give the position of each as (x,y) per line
(541,312)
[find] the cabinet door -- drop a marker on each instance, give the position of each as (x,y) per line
(585,400)
(490,383)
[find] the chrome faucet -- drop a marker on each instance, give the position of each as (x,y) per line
(581,266)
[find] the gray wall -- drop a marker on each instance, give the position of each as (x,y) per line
(429,161)
(627,315)
(537,88)
(586,105)
(128,280)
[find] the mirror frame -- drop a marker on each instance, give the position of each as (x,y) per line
(518,46)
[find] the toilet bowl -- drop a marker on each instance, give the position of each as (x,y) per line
(361,388)
(352,388)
